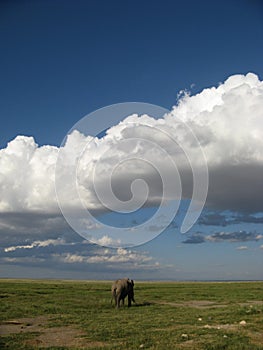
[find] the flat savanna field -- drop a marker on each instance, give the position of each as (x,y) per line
(181,315)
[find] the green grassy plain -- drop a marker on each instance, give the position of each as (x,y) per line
(181,315)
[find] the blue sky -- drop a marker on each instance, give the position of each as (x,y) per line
(61,60)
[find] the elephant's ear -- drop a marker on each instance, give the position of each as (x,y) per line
(132,282)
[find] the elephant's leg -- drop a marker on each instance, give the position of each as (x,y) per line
(114,297)
(130,298)
(118,299)
(129,301)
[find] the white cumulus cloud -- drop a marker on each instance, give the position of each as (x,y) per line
(227,120)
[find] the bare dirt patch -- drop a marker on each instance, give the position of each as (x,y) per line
(67,336)
(188,344)
(205,304)
(252,303)
(199,304)
(256,337)
(227,327)
(58,336)
(23,325)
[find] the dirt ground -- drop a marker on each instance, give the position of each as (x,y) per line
(48,336)
(203,304)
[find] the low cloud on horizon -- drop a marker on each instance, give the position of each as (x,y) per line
(233,237)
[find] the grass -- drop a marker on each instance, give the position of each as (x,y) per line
(167,315)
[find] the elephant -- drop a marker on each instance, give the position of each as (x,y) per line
(120,289)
